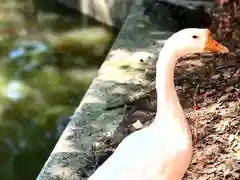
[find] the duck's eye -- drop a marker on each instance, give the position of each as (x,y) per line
(194,36)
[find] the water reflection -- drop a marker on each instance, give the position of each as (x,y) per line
(48,57)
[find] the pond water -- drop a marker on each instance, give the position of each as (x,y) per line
(49,56)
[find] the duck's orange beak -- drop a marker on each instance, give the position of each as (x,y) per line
(212,45)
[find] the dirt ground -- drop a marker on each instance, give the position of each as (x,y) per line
(217,121)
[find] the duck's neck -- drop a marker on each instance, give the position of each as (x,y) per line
(168,105)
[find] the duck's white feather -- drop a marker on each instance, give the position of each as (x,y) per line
(146,155)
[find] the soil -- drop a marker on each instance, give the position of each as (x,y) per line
(209,90)
(217,121)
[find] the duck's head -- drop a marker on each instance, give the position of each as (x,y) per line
(194,40)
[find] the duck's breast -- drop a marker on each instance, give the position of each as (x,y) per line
(141,156)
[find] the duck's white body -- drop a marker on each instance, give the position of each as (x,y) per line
(163,150)
(135,158)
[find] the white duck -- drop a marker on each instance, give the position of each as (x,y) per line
(162,151)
